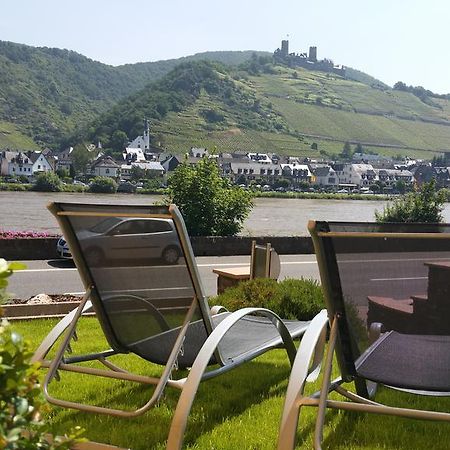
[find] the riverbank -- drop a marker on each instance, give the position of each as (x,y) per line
(256,193)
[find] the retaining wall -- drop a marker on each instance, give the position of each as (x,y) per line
(45,248)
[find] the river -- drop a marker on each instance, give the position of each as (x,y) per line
(270,216)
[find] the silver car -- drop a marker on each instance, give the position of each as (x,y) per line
(118,238)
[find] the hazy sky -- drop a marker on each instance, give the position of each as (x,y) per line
(392,40)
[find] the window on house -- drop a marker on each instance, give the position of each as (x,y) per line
(239,170)
(269,171)
(263,171)
(277,171)
(107,171)
(39,166)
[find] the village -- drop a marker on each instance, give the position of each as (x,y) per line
(361,173)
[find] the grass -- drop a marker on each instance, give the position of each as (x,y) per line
(241,409)
(13,139)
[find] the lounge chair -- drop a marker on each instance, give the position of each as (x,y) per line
(391,264)
(141,279)
(264,261)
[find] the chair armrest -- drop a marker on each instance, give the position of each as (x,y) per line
(217,309)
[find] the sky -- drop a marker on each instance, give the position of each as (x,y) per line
(392,40)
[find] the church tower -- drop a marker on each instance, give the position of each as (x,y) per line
(146,135)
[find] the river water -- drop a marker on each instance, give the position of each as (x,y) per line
(270,216)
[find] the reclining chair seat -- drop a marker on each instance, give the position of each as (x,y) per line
(249,335)
(396,356)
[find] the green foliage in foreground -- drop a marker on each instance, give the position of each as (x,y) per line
(210,204)
(423,206)
(290,299)
(21,399)
(238,410)
(103,185)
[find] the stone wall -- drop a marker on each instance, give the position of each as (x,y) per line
(45,248)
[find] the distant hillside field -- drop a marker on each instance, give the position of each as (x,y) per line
(239,102)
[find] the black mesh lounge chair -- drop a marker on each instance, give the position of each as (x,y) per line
(402,273)
(141,279)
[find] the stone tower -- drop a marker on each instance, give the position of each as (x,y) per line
(312,54)
(284,47)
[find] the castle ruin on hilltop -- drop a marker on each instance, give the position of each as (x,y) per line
(307,61)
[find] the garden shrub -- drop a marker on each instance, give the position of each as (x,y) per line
(424,205)
(299,299)
(21,399)
(47,182)
(103,185)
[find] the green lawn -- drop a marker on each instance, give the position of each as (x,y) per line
(239,410)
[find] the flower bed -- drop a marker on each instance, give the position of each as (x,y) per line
(13,234)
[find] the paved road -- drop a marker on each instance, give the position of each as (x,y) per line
(60,276)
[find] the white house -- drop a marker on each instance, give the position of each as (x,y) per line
(297,172)
(40,163)
(325,176)
(15,164)
(65,160)
(358,175)
(105,167)
(390,176)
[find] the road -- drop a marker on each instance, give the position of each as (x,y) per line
(61,277)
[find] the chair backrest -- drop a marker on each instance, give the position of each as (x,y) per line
(264,261)
(400,270)
(138,263)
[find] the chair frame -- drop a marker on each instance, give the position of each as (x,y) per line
(188,385)
(312,345)
(262,253)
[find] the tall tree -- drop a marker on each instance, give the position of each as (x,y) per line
(210,204)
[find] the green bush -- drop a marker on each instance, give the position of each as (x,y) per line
(47,182)
(21,399)
(299,299)
(103,185)
(13,187)
(424,205)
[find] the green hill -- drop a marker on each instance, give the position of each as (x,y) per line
(47,93)
(278,109)
(56,97)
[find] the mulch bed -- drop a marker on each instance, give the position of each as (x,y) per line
(56,298)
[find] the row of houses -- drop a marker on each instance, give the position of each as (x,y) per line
(240,168)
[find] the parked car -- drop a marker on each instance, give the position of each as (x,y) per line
(62,248)
(118,238)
